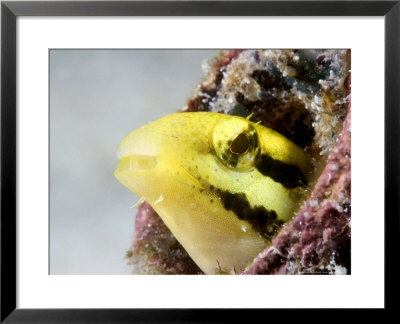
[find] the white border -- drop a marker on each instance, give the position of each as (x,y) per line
(364,288)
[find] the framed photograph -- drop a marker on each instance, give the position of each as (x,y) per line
(163,159)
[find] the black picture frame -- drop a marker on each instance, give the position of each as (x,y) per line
(10,10)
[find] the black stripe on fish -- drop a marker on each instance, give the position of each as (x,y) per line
(263,221)
(289,175)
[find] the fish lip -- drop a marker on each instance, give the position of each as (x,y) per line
(136,163)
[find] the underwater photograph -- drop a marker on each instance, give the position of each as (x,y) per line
(216,162)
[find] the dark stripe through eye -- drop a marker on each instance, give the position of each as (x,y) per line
(290,176)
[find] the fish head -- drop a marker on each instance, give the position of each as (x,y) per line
(220,183)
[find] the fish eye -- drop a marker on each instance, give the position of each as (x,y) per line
(240,144)
(235,143)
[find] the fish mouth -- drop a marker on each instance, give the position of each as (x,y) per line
(134,167)
(136,163)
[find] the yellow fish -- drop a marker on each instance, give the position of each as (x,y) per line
(222,184)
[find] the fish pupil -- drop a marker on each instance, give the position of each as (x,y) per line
(240,144)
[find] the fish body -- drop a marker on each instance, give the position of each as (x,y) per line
(222,184)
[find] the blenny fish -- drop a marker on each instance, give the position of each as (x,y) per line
(222,184)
